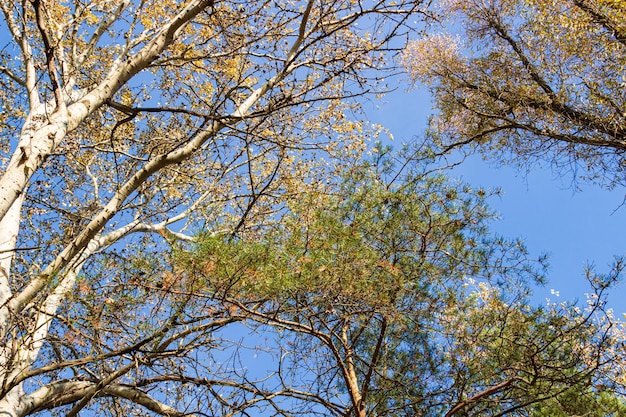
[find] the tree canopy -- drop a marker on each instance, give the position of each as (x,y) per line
(185,185)
(527,81)
(391,298)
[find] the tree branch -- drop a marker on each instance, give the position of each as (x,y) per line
(489,391)
(603,20)
(68,392)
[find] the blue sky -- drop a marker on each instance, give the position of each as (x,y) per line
(576,228)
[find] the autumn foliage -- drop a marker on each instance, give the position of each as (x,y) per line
(528,81)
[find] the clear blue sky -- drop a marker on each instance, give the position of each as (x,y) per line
(575,227)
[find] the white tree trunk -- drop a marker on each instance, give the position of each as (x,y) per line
(9,229)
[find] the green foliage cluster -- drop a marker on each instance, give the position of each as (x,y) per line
(572,403)
(365,241)
(402,282)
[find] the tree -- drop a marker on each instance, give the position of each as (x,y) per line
(129,123)
(601,405)
(531,81)
(390,297)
